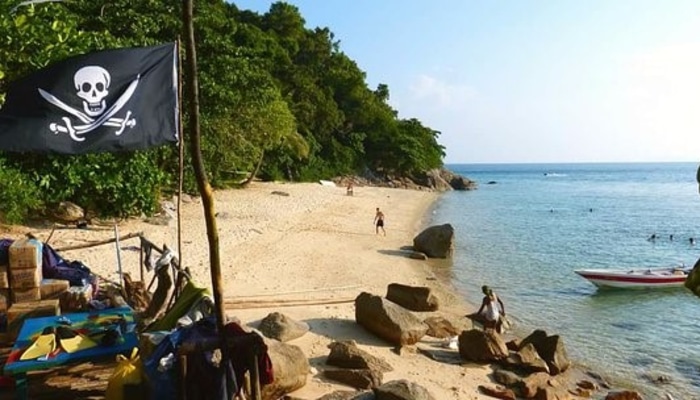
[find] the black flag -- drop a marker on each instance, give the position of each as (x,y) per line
(113,100)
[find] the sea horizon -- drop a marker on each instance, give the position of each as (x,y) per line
(569,163)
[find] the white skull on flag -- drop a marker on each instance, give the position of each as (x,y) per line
(92,84)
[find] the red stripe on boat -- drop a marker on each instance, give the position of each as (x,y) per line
(637,279)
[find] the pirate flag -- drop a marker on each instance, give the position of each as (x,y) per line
(113,100)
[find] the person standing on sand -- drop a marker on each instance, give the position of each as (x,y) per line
(490,309)
(379,222)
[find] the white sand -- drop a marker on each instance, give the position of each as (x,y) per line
(316,243)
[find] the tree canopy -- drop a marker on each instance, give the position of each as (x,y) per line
(277,99)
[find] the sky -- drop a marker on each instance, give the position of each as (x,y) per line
(531,81)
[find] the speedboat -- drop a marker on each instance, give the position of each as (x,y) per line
(637,278)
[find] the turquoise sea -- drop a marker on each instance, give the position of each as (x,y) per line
(526,231)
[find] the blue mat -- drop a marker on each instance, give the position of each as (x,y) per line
(87,323)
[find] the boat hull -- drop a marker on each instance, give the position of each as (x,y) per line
(635,279)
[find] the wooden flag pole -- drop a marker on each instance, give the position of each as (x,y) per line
(180,149)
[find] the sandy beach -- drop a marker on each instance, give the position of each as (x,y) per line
(304,241)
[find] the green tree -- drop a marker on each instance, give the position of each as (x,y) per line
(277,99)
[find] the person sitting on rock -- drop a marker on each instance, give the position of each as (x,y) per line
(492,309)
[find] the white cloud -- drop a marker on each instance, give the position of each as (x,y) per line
(435,93)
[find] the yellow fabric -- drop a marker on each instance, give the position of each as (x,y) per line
(191,293)
(127,372)
(73,341)
(43,345)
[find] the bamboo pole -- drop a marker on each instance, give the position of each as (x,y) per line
(99,243)
(328,289)
(119,256)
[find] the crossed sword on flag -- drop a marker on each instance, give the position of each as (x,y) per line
(106,119)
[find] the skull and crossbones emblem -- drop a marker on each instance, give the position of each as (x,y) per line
(92,87)
(92,83)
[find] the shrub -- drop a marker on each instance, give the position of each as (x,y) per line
(19,195)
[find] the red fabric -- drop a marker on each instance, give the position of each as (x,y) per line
(6,382)
(251,341)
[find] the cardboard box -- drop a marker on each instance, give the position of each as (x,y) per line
(4,277)
(17,313)
(25,254)
(53,288)
(25,278)
(26,294)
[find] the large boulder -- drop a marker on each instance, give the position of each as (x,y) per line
(436,241)
(527,359)
(624,395)
(346,354)
(357,378)
(506,378)
(402,390)
(539,385)
(291,369)
(434,180)
(414,298)
(530,385)
(692,282)
(482,346)
(281,327)
(388,320)
(440,327)
(503,394)
(345,395)
(69,212)
(457,182)
(551,349)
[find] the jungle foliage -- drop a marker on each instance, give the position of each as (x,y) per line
(277,99)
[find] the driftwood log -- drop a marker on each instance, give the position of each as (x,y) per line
(165,285)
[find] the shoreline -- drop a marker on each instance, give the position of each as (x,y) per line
(286,241)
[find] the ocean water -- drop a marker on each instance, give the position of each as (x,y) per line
(525,234)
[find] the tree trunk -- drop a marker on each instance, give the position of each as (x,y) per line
(205,189)
(255,171)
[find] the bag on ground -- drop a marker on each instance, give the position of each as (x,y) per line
(127,372)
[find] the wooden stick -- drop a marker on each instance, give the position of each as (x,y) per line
(53,229)
(141,260)
(99,243)
(183,378)
(174,295)
(272,304)
(255,377)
